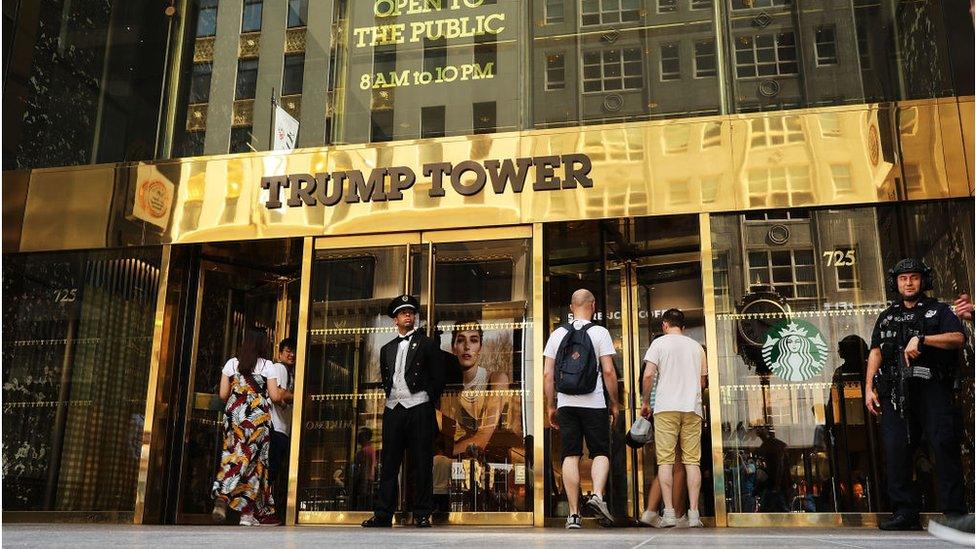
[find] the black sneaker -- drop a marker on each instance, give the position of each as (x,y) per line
(574,522)
(901,522)
(956,529)
(376,522)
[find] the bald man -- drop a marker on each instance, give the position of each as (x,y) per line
(583,416)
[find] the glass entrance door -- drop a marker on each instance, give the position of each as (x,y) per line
(230,300)
(475,296)
(637,269)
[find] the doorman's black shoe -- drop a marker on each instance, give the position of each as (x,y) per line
(423,522)
(376,522)
(901,522)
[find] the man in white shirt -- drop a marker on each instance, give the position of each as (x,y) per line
(679,362)
(583,416)
(281,376)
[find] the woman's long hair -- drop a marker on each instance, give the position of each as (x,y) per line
(249,351)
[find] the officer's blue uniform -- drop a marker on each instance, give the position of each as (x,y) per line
(929,411)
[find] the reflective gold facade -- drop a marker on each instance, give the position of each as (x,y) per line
(707,152)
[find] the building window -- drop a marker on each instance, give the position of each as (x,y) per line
(247,78)
(192,144)
(863,46)
(612,70)
(200,82)
(791,273)
(251,20)
(766,55)
(486,51)
(602,12)
(432,122)
(914,179)
(679,192)
(749,4)
(666,6)
(670,61)
(555,72)
(826,45)
(381,126)
(240,139)
(701,4)
(841,175)
(484,117)
(705,59)
(384,60)
(297,13)
(293,74)
(435,55)
(847,278)
(779,187)
(712,135)
(676,138)
(778,215)
(555,12)
(770,131)
(829,124)
(207,18)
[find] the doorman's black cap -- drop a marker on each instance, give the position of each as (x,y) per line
(402,302)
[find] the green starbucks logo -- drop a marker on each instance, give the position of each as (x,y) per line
(794,351)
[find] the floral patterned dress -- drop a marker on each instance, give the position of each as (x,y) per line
(243,481)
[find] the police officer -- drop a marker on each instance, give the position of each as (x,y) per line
(412,369)
(915,346)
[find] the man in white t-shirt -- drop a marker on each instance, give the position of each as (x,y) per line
(281,384)
(579,417)
(679,363)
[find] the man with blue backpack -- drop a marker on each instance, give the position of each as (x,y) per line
(578,365)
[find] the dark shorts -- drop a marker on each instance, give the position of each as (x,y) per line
(576,424)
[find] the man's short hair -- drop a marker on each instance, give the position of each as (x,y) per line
(674,317)
(288,342)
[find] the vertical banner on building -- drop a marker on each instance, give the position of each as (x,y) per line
(285,134)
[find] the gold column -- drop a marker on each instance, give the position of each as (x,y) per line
(538,380)
(308,253)
(711,340)
(150,414)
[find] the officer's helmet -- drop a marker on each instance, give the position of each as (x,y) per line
(910,265)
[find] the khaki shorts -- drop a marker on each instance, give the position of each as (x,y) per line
(668,427)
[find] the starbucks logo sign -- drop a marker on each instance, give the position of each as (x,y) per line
(794,350)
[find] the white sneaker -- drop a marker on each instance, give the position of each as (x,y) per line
(682,521)
(249,520)
(650,518)
(668,520)
(599,507)
(694,519)
(574,522)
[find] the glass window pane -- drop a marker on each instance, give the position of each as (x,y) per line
(780,258)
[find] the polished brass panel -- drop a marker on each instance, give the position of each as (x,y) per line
(250,45)
(794,520)
(196,117)
(711,354)
(295,40)
(203,50)
(15,185)
(366,241)
(243,112)
(84,517)
(68,208)
(807,157)
(308,252)
(485,233)
(461,519)
(966,116)
(538,405)
(150,414)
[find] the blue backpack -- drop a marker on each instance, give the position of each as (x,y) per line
(577,366)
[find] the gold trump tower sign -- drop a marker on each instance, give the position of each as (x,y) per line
(466,178)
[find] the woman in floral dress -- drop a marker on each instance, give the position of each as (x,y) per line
(243,482)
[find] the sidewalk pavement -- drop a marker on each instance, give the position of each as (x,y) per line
(122,535)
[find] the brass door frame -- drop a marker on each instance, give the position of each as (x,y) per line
(207,265)
(409,239)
